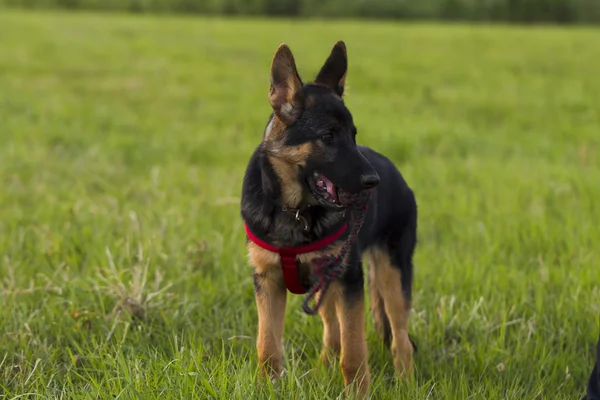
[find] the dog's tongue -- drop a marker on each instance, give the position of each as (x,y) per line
(330,187)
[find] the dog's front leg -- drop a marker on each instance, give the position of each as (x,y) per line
(270,294)
(331,327)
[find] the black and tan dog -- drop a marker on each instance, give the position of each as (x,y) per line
(292,213)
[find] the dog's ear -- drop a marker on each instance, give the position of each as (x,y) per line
(285,94)
(333,72)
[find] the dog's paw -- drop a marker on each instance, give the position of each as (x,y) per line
(328,357)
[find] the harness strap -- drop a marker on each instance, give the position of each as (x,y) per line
(289,263)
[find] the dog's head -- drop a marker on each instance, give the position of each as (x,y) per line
(311,138)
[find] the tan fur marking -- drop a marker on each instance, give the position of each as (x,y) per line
(275,134)
(343,324)
(354,360)
(286,165)
(334,248)
(262,260)
(287,110)
(299,154)
(389,283)
(331,327)
(274,144)
(343,82)
(293,85)
(270,303)
(376,301)
(269,129)
(292,191)
(285,85)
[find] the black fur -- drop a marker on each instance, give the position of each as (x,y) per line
(256,279)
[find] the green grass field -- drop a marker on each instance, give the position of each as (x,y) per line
(123,143)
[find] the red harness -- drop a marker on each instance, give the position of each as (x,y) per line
(289,265)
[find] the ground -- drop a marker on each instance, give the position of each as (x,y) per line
(123,143)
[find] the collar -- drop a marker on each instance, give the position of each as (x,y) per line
(297,213)
(289,265)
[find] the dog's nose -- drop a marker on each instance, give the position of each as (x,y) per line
(369,181)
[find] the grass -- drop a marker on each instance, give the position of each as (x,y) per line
(123,142)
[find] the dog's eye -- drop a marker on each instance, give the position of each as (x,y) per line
(328,137)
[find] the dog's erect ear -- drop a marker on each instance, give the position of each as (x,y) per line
(333,72)
(285,95)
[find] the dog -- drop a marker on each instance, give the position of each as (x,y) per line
(290,201)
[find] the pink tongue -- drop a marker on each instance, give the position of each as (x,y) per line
(331,188)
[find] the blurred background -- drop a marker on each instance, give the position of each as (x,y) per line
(559,11)
(125,131)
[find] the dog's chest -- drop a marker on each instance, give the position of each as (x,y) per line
(269,263)
(306,273)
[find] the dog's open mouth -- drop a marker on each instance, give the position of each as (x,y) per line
(324,191)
